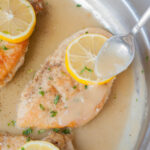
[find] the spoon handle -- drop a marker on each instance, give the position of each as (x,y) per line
(141,22)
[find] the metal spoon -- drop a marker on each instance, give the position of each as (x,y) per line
(118,52)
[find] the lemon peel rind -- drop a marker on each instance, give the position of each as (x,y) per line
(75,76)
(40,143)
(18,39)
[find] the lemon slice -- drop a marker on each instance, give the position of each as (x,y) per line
(38,145)
(17,20)
(81,56)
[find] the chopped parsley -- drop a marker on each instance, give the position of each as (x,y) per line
(49,68)
(86,32)
(12,123)
(66,131)
(4,48)
(42,107)
(18,29)
(22,148)
(86,69)
(74,87)
(136,100)
(42,93)
(85,86)
(30,70)
(41,131)
(115,97)
(56,99)
(147,58)
(53,113)
(6,32)
(63,72)
(28,139)
(78,5)
(46,3)
(50,78)
(56,130)
(27,132)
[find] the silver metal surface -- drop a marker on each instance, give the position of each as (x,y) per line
(123,48)
(142,21)
(121,15)
(128,13)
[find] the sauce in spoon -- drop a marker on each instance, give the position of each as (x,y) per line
(118,52)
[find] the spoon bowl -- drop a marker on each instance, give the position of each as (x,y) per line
(118,52)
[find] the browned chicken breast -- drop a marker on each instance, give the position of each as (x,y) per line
(53,99)
(12,55)
(62,141)
(37,5)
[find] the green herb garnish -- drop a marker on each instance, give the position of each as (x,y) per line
(42,107)
(22,148)
(56,99)
(6,32)
(18,29)
(28,139)
(27,132)
(42,93)
(46,3)
(12,123)
(4,48)
(53,113)
(49,68)
(30,70)
(147,58)
(66,131)
(63,72)
(78,5)
(85,86)
(74,87)
(50,78)
(86,32)
(86,69)
(136,100)
(115,97)
(41,131)
(56,130)
(142,71)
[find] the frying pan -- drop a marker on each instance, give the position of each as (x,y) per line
(119,16)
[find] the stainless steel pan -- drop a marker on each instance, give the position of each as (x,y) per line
(119,16)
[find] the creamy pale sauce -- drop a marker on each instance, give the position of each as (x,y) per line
(106,130)
(112,59)
(60,19)
(86,104)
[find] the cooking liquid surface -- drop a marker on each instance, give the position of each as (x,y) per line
(112,59)
(60,20)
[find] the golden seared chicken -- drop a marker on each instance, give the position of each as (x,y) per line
(53,99)
(12,55)
(62,141)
